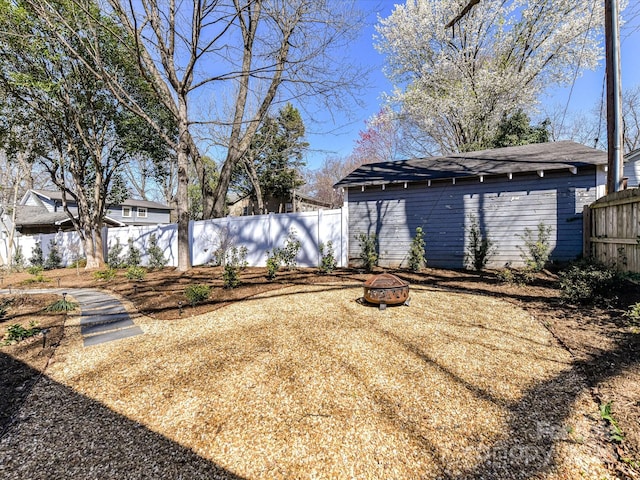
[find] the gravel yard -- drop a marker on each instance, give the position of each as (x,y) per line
(306,382)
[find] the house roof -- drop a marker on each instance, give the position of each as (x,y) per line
(27,215)
(131,202)
(526,158)
(32,216)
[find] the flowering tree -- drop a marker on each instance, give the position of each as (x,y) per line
(453,85)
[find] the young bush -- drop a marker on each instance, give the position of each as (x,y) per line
(4,306)
(536,251)
(107,274)
(54,259)
(223,242)
(273,264)
(289,251)
(37,257)
(516,277)
(113,256)
(589,282)
(197,293)
(633,313)
(62,305)
(37,277)
(285,256)
(79,263)
(416,251)
(135,273)
(133,257)
(236,261)
(327,258)
(368,250)
(17,262)
(480,248)
(16,333)
(155,253)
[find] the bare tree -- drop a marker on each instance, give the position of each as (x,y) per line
(258,51)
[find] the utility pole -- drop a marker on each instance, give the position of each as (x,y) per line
(614,97)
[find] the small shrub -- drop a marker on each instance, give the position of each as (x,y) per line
(133,256)
(588,282)
(236,261)
(615,433)
(4,306)
(79,263)
(289,252)
(37,277)
(480,248)
(536,251)
(368,250)
(34,270)
(135,273)
(633,313)
(107,274)
(516,277)
(113,256)
(197,293)
(16,333)
(224,242)
(62,305)
(155,253)
(285,256)
(37,257)
(273,264)
(416,251)
(17,262)
(54,259)
(327,258)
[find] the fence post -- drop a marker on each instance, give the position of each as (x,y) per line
(586,232)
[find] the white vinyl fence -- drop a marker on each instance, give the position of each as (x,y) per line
(259,234)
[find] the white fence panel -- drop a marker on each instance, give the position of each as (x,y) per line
(222,233)
(259,234)
(166,237)
(262,233)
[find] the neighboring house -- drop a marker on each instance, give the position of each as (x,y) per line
(41,211)
(297,202)
(506,191)
(632,169)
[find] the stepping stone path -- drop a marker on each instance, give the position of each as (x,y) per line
(103,318)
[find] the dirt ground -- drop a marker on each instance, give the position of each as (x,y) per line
(602,344)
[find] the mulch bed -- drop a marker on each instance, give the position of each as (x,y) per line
(603,347)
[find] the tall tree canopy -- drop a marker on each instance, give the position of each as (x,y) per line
(64,117)
(454,85)
(271,167)
(243,55)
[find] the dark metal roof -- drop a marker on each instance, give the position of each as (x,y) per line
(498,161)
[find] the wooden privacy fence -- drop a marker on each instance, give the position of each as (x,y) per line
(612,230)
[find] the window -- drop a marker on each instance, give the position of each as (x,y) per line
(142,212)
(126,212)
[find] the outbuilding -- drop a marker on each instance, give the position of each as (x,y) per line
(504,191)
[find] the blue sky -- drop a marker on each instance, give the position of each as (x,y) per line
(337,138)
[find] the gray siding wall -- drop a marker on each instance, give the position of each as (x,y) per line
(632,171)
(154,216)
(503,208)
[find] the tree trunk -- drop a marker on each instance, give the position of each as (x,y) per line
(182,198)
(92,243)
(255,181)
(220,193)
